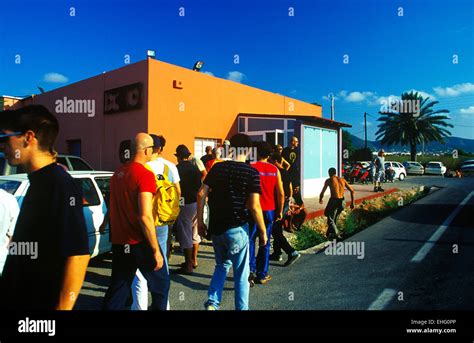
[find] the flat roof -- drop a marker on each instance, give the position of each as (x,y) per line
(11,97)
(314,120)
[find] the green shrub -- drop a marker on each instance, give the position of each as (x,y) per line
(307,238)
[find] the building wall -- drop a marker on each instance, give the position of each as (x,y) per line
(101,134)
(7,102)
(206,106)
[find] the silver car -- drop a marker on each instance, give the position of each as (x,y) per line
(413,167)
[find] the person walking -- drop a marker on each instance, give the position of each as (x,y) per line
(379,163)
(335,204)
(51,220)
(134,242)
(279,240)
(186,224)
(272,187)
(234,189)
(161,168)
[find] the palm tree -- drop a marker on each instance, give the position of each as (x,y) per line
(412,125)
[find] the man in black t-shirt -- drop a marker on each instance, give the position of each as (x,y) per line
(48,273)
(186,223)
(292,155)
(233,188)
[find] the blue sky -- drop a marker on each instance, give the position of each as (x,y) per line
(299,56)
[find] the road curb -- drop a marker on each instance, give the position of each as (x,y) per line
(320,212)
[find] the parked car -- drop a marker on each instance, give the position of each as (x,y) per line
(400,171)
(436,168)
(95,189)
(467,167)
(414,167)
(69,161)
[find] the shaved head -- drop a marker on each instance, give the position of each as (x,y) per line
(141,141)
(142,148)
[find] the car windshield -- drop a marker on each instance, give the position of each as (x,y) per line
(10,186)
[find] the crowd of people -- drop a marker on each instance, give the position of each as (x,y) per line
(236,203)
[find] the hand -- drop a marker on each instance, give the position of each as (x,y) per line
(352,205)
(262,239)
(320,201)
(159,261)
(279,217)
(102,228)
(202,229)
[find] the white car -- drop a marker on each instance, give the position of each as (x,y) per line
(95,189)
(400,171)
(436,168)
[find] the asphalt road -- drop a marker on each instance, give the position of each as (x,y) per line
(410,261)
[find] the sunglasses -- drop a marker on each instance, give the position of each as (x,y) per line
(4,136)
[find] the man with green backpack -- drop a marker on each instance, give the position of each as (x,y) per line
(165,212)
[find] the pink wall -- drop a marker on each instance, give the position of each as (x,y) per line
(101,134)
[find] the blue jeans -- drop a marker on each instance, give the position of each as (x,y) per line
(126,260)
(259,265)
(139,284)
(231,249)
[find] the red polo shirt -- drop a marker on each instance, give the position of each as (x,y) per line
(268,182)
(127,182)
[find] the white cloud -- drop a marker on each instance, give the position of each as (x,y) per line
(55,78)
(236,76)
(469,110)
(358,96)
(456,90)
(208,73)
(368,123)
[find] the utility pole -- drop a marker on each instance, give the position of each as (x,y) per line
(332,105)
(365,128)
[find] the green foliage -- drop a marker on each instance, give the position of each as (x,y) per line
(307,238)
(412,128)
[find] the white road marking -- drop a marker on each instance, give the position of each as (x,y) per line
(383,299)
(425,249)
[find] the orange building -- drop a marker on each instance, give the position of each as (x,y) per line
(97,114)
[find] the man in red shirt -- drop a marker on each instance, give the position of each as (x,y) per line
(271,184)
(134,243)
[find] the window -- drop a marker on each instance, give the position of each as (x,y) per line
(256,138)
(10,186)
(200,145)
(242,127)
(63,161)
(89,193)
(270,138)
(255,124)
(104,186)
(78,164)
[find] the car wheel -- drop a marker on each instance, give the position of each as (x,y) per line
(401,177)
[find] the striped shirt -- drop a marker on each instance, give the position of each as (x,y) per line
(231,183)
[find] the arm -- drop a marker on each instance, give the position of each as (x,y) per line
(280,194)
(285,164)
(321,196)
(148,226)
(352,193)
(74,274)
(253,204)
(201,202)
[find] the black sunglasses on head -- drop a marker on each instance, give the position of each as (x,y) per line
(4,136)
